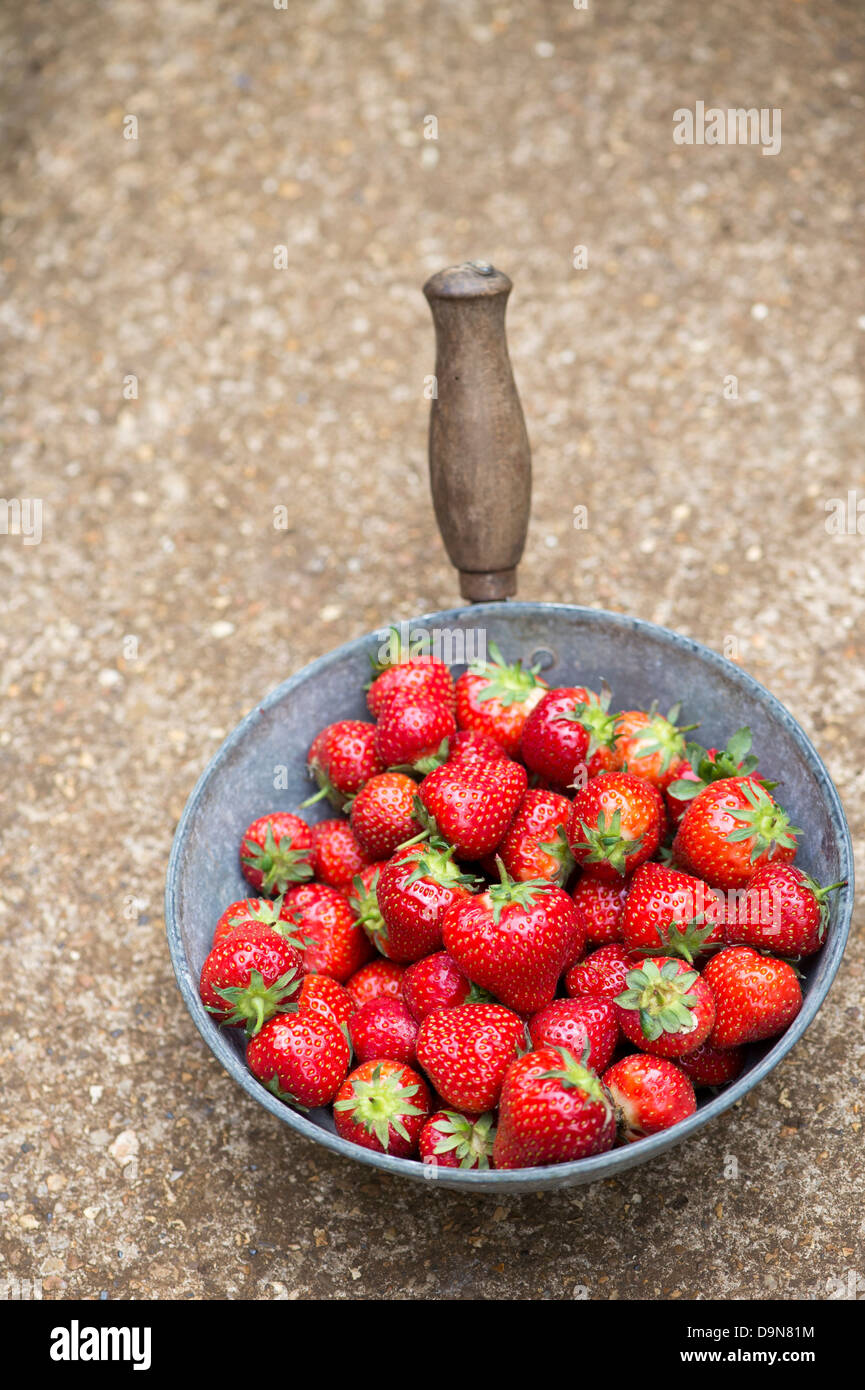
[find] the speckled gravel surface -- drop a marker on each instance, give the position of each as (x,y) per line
(168,388)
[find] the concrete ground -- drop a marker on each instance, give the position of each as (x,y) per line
(168,387)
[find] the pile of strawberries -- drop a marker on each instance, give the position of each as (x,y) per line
(536,928)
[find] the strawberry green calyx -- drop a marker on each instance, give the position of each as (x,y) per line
(508,891)
(471,1141)
(560,850)
(364,904)
(684,939)
(575,1076)
(381,1103)
(253,1004)
(736,760)
(821,896)
(278,864)
(660,994)
(510,685)
(435,862)
(398,652)
(606,843)
(269,916)
(593,715)
(764,822)
(428,763)
(662,735)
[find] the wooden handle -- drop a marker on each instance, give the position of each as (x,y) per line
(479,454)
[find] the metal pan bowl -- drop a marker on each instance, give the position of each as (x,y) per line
(641,662)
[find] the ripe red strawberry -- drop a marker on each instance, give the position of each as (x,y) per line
(553,1110)
(337,945)
(599,907)
(415,889)
(616,823)
(497,699)
(436,982)
(342,759)
(514,940)
(249,976)
(668,1009)
(322,995)
(755,996)
(466,1051)
(420,678)
(700,766)
(650,1094)
(274,852)
(336,854)
(380,977)
(382,814)
(565,731)
(782,910)
(730,829)
(413,733)
(670,913)
(451,1140)
(383,1028)
(382,1105)
(535,844)
(712,1066)
(471,804)
(471,746)
(603,972)
(589,1022)
(244,912)
(302,1058)
(650,745)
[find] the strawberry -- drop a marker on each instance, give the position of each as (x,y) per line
(382,814)
(603,972)
(380,977)
(535,844)
(565,731)
(420,677)
(670,913)
(782,910)
(383,1027)
(471,804)
(730,829)
(650,745)
(755,996)
(616,822)
(324,996)
(599,907)
(436,982)
(336,855)
(342,759)
(245,912)
(587,1027)
(274,852)
(249,976)
(451,1140)
(471,746)
(302,1058)
(413,734)
(650,1094)
(465,1051)
(553,1110)
(497,699)
(514,939)
(700,766)
(415,889)
(667,1009)
(712,1066)
(382,1105)
(337,945)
